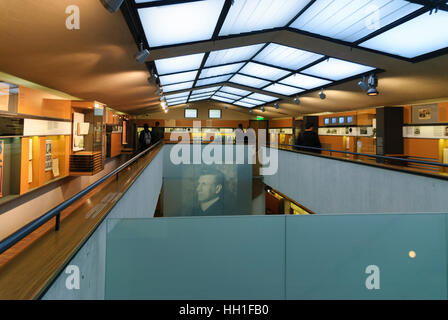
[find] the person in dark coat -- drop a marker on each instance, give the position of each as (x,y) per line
(145,137)
(309,138)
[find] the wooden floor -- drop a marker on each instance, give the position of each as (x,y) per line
(28,268)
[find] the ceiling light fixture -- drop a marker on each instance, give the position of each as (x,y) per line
(297,100)
(226,107)
(262,109)
(276,106)
(322,95)
(373,83)
(363,84)
(142,54)
(251,111)
(187,106)
(112,5)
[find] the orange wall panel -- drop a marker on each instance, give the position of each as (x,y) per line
(115,145)
(38,103)
(426,148)
(443,112)
(281,123)
(407,115)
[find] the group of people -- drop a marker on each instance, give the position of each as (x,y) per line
(147,138)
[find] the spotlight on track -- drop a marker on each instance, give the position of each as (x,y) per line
(251,111)
(296,100)
(322,95)
(162,98)
(276,106)
(363,84)
(142,54)
(112,5)
(163,104)
(151,80)
(262,109)
(159,91)
(187,106)
(226,107)
(373,83)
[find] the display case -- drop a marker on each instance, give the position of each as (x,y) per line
(88,148)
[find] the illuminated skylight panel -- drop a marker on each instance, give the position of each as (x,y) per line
(236,91)
(336,69)
(262,71)
(249,81)
(304,81)
(179,64)
(205,90)
(176,87)
(244,104)
(178,99)
(262,97)
(283,89)
(180,23)
(177,102)
(199,98)
(205,82)
(252,101)
(232,55)
(177,95)
(421,35)
(222,99)
(228,95)
(286,57)
(250,15)
(217,71)
(178,77)
(351,20)
(194,96)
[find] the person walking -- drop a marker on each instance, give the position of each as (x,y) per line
(145,137)
(309,138)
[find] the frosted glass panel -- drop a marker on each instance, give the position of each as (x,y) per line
(305,82)
(217,71)
(222,99)
(176,87)
(228,95)
(351,20)
(286,57)
(282,89)
(236,91)
(262,97)
(232,55)
(262,71)
(178,77)
(421,35)
(252,101)
(336,69)
(205,82)
(172,24)
(249,81)
(244,104)
(196,258)
(250,15)
(179,64)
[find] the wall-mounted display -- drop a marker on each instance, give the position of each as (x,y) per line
(214,114)
(334,121)
(48,163)
(88,148)
(327,121)
(425,113)
(191,113)
(349,120)
(341,120)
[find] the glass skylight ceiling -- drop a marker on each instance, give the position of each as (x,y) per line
(232,55)
(180,23)
(422,35)
(335,69)
(250,15)
(205,82)
(178,77)
(249,81)
(282,89)
(304,82)
(216,71)
(262,71)
(351,20)
(179,64)
(286,57)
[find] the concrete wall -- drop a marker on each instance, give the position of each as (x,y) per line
(332,186)
(139,201)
